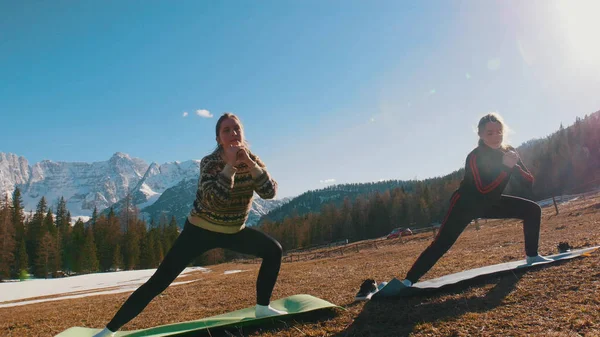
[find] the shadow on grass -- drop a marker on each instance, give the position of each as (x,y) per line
(272,326)
(399,316)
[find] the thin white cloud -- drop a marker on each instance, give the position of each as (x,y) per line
(327,181)
(185,114)
(204,113)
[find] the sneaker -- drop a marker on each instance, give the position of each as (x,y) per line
(267,311)
(367,289)
(564,247)
(394,288)
(105,333)
(537,259)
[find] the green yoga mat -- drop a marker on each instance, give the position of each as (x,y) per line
(294,305)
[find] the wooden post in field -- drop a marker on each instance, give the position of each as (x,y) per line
(555,206)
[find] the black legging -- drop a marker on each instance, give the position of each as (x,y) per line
(192,242)
(461,214)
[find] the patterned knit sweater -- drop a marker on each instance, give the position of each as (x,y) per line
(224,195)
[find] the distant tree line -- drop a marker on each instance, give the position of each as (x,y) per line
(47,244)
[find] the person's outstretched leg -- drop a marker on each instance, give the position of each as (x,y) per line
(526,210)
(456,220)
(253,242)
(189,244)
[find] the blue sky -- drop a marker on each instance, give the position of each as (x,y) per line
(344,91)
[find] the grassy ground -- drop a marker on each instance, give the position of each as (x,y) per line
(558,300)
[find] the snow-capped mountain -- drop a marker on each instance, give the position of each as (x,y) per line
(14,170)
(88,185)
(154,189)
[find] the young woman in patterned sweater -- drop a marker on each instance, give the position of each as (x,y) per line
(228,179)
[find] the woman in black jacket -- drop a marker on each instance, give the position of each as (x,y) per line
(487,172)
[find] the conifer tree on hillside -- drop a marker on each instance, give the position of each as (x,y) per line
(77,244)
(18,215)
(117,258)
(36,231)
(7,240)
(94,216)
(63,224)
(49,222)
(44,263)
(170,235)
(157,247)
(54,254)
(108,234)
(22,259)
(132,241)
(102,242)
(147,253)
(88,261)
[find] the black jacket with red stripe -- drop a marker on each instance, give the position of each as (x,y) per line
(486,176)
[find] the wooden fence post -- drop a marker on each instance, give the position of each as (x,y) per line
(555,206)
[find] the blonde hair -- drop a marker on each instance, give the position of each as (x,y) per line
(237,119)
(491,118)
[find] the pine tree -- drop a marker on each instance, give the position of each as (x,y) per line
(77,243)
(88,260)
(147,252)
(18,222)
(117,258)
(49,223)
(171,234)
(378,217)
(63,223)
(108,236)
(159,254)
(7,240)
(44,255)
(54,259)
(94,217)
(135,238)
(18,215)
(22,264)
(35,232)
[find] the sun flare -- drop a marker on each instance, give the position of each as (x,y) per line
(581,28)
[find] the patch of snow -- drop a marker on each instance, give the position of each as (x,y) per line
(71,287)
(82,217)
(108,292)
